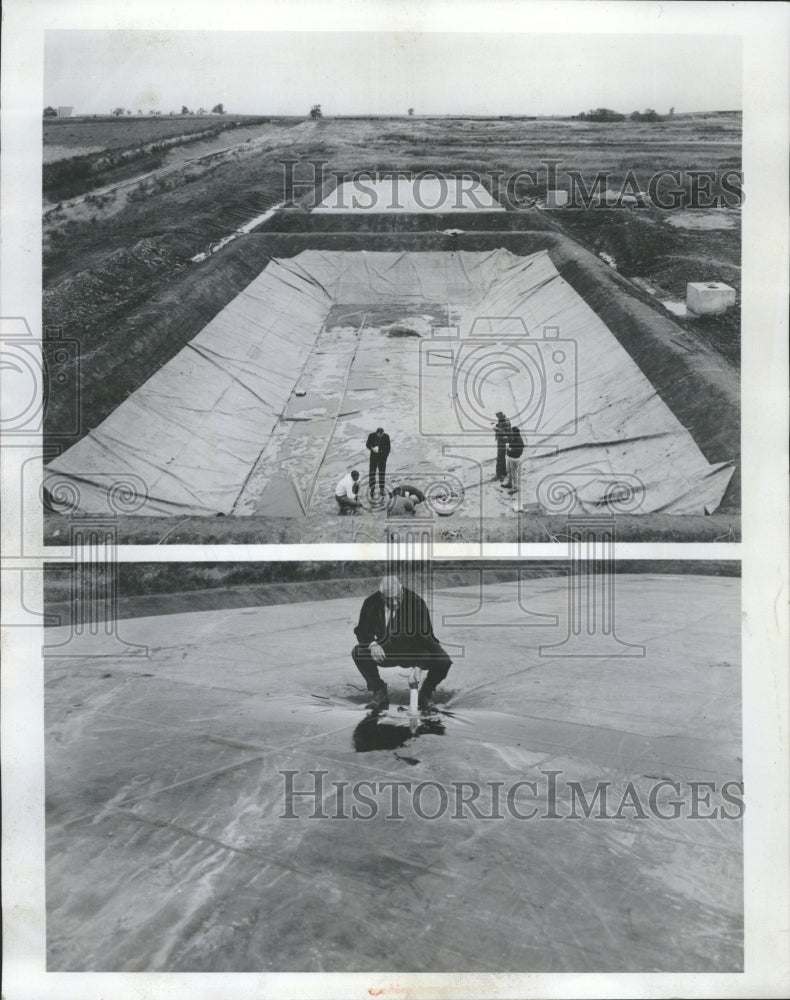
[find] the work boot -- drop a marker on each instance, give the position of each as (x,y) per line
(380,699)
(425,699)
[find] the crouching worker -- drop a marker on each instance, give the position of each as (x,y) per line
(395,630)
(347,493)
(404,499)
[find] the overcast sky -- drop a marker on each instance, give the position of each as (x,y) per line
(284,73)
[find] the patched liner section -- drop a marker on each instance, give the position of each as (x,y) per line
(194,432)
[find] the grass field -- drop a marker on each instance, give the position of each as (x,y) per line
(202,201)
(110,132)
(97,155)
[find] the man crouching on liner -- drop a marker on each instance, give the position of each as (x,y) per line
(395,630)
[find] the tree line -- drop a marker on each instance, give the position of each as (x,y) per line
(607,115)
(119,112)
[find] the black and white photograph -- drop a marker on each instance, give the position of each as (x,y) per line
(335,767)
(273,260)
(395,510)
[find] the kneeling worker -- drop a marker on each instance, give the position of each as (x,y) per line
(411,493)
(395,630)
(346,492)
(404,499)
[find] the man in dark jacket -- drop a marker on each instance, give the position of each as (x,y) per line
(501,432)
(404,499)
(515,449)
(378,444)
(395,630)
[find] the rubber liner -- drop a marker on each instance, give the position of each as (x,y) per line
(194,432)
(166,782)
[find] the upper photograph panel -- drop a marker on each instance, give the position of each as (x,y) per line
(299,286)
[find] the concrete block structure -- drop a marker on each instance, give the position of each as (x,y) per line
(709,297)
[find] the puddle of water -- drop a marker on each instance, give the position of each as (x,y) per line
(310,404)
(402,331)
(387,732)
(280,499)
(720,218)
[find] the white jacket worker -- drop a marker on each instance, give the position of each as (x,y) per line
(346,492)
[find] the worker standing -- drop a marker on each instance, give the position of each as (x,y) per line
(501,431)
(378,444)
(515,449)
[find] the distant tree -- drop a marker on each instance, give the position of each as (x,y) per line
(139,112)
(128,112)
(315,111)
(218,109)
(671,111)
(50,112)
(150,112)
(201,111)
(184,109)
(648,115)
(411,111)
(604,115)
(118,112)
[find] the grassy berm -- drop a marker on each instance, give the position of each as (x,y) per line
(173,588)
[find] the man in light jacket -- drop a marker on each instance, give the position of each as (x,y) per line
(515,449)
(346,493)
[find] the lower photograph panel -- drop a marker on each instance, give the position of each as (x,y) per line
(519,766)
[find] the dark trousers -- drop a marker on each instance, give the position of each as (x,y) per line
(345,504)
(378,463)
(425,653)
(501,463)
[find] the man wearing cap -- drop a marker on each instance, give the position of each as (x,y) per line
(378,444)
(501,431)
(394,630)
